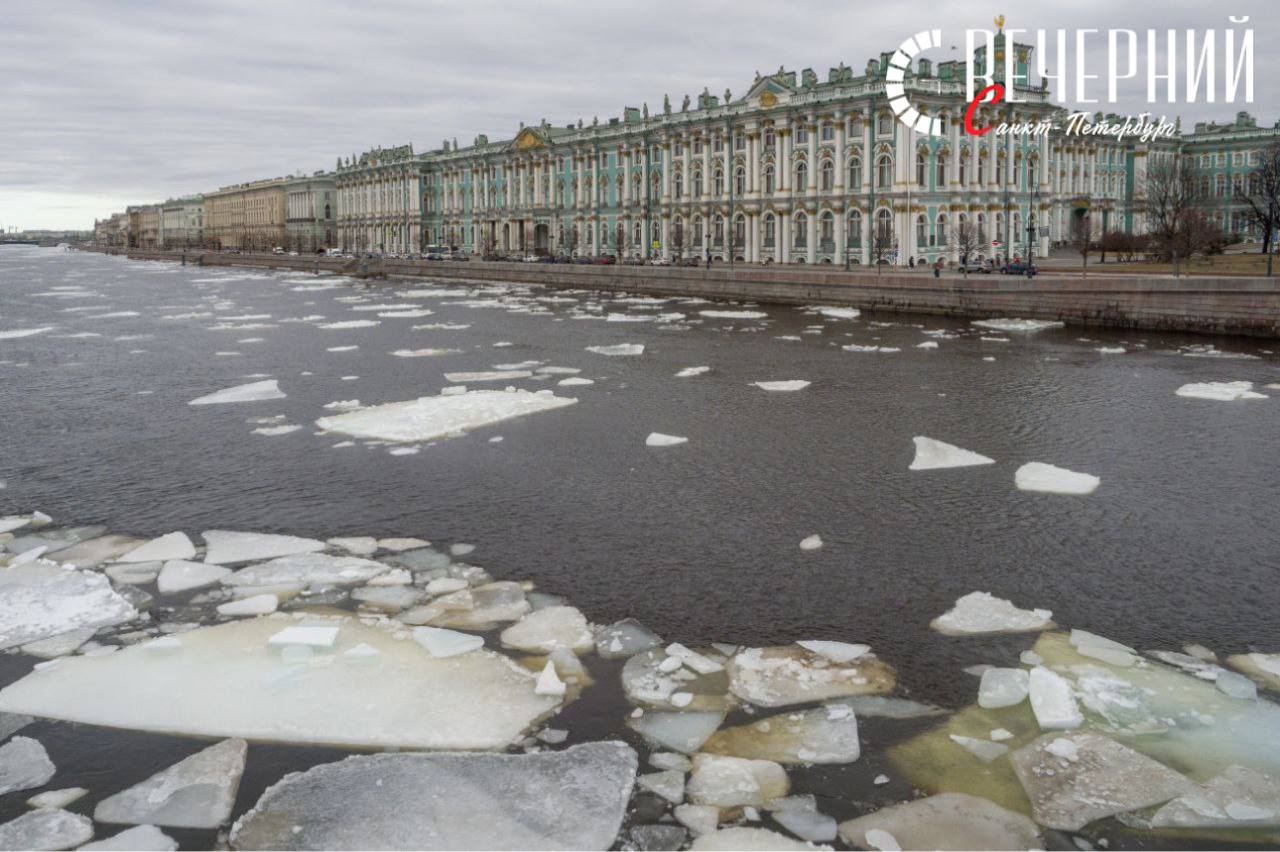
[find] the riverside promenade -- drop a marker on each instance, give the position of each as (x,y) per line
(1225,305)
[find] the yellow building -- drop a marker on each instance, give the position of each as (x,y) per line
(247,216)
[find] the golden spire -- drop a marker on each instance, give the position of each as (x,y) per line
(1000,22)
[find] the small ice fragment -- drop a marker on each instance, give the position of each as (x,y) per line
(982,612)
(837,652)
(813,542)
(882,840)
(1051,700)
(618,349)
(549,682)
(1219,391)
(443,643)
(175,545)
(1002,688)
(932,455)
(1048,479)
(313,636)
(783,385)
(689,372)
(657,439)
(880,779)
(252,392)
(255,605)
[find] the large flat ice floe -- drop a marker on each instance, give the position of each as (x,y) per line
(1220,391)
(1048,479)
(431,417)
(946,821)
(934,455)
(618,349)
(252,392)
(40,599)
(570,799)
(783,385)
(196,792)
(227,547)
(227,681)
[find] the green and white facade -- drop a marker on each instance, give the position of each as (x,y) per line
(795,170)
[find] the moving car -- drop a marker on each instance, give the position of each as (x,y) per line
(1019,267)
(974,266)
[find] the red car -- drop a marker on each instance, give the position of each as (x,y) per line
(606,259)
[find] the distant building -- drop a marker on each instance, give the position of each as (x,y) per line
(311,213)
(1226,154)
(380,198)
(111,232)
(182,222)
(248,216)
(144,226)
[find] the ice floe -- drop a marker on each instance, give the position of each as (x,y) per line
(784,385)
(1010,324)
(16,333)
(24,764)
(933,455)
(1048,479)
(140,838)
(196,792)
(982,612)
(726,782)
(1238,797)
(789,674)
(41,599)
(439,416)
(746,315)
(545,630)
(229,547)
(225,681)
(46,828)
(657,439)
(689,372)
(821,735)
(618,349)
(174,545)
(252,392)
(945,821)
(570,799)
(308,569)
(747,839)
(489,376)
(1220,391)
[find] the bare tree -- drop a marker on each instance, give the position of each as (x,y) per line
(1082,238)
(967,239)
(1261,195)
(882,244)
(677,241)
(1175,201)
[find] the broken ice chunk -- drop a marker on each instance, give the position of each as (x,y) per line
(807,825)
(1002,688)
(133,574)
(140,838)
(227,547)
(196,792)
(669,785)
(441,643)
(945,821)
(312,635)
(984,750)
(982,612)
(94,551)
(549,682)
(933,455)
(618,349)
(818,735)
(1105,779)
(24,764)
(60,645)
(313,569)
(252,392)
(1013,324)
(41,599)
(254,605)
(1047,479)
(689,372)
(472,609)
(625,638)
(681,731)
(813,542)
(1236,685)
(657,439)
(175,545)
(1264,668)
(180,575)
(57,798)
(46,828)
(570,799)
(1236,798)
(547,629)
(699,819)
(744,839)
(1100,648)
(1051,700)
(789,674)
(727,782)
(836,652)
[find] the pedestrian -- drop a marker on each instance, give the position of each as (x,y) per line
(708,261)
(937,269)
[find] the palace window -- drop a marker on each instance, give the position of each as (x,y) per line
(800,238)
(827,233)
(884,171)
(718,182)
(853,229)
(677,233)
(677,148)
(697,145)
(982,170)
(739,142)
(828,132)
(921,164)
(964,169)
(770,230)
(718,145)
(883,124)
(768,180)
(942,229)
(940,172)
(740,181)
(982,229)
(697,184)
(697,230)
(637,235)
(769,139)
(677,186)
(802,135)
(828,175)
(922,231)
(802,177)
(855,173)
(740,230)
(884,229)
(718,232)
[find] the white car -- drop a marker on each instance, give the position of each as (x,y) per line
(530,258)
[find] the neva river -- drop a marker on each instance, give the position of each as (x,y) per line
(700,542)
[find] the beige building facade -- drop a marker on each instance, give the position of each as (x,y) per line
(247,216)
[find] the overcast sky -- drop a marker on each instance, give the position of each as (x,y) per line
(104,104)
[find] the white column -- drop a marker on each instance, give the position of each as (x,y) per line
(868,152)
(666,183)
(812,188)
(841,161)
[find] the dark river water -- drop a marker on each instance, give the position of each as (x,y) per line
(700,542)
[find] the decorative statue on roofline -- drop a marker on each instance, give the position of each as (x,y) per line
(666,105)
(685,106)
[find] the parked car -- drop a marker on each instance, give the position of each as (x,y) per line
(1020,267)
(659,261)
(605,259)
(278,250)
(531,258)
(975,266)
(459,255)
(584,258)
(434,255)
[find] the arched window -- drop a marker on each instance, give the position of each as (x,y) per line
(768,180)
(922,231)
(740,231)
(941,172)
(921,164)
(982,228)
(718,232)
(327,214)
(883,237)
(697,230)
(697,184)
(853,233)
(964,169)
(678,185)
(770,230)
(740,181)
(883,124)
(827,231)
(801,231)
(942,229)
(802,177)
(855,173)
(828,176)
(677,233)
(604,234)
(884,171)
(718,178)
(982,169)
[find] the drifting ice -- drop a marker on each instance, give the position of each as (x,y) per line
(786,385)
(197,792)
(657,439)
(1038,476)
(252,392)
(1220,391)
(440,416)
(227,548)
(618,349)
(982,612)
(40,599)
(933,455)
(1017,324)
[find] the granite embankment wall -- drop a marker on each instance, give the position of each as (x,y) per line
(1201,304)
